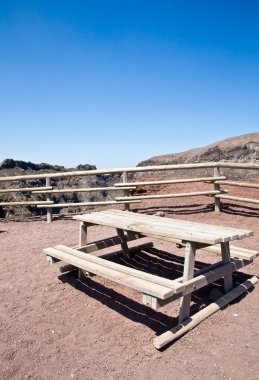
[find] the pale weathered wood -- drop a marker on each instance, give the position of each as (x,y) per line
(225,253)
(134,249)
(174,223)
(239,199)
(174,195)
(131,170)
(239,184)
(237,165)
(168,181)
(171,285)
(164,228)
(27,203)
(82,234)
(109,171)
(170,336)
(49,199)
(104,243)
(217,188)
(126,192)
(25,189)
(235,252)
(79,190)
(96,265)
(107,203)
(123,243)
(188,273)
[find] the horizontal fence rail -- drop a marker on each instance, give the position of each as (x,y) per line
(128,188)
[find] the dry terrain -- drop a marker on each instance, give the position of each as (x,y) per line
(53,326)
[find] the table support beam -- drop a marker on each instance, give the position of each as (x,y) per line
(228,279)
(189,261)
(124,245)
(82,234)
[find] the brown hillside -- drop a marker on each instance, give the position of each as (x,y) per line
(243,148)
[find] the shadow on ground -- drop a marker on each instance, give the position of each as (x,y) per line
(153,261)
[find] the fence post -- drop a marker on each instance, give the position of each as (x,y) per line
(126,192)
(217,188)
(48,198)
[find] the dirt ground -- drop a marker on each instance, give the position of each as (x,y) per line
(53,326)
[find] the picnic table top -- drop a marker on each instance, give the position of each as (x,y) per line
(164,228)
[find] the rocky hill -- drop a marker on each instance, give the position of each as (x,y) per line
(10,167)
(243,149)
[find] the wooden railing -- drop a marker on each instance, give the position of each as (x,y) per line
(215,178)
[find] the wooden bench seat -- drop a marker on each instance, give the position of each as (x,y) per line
(146,283)
(240,253)
(157,291)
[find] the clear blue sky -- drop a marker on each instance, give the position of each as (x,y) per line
(114,82)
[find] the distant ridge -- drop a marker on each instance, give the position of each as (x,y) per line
(244,148)
(9,163)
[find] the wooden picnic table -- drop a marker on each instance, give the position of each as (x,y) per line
(156,290)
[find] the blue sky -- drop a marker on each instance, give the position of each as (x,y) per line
(112,83)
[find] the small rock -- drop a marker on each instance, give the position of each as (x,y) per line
(157,356)
(160,213)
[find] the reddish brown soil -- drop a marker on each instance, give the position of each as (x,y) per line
(53,326)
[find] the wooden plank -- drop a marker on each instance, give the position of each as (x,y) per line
(80,190)
(238,184)
(188,272)
(217,188)
(49,199)
(134,249)
(171,285)
(165,233)
(211,273)
(203,277)
(82,173)
(123,242)
(130,170)
(234,232)
(206,278)
(25,189)
(174,195)
(225,253)
(173,181)
(142,285)
(237,252)
(178,228)
(236,165)
(104,243)
(170,336)
(126,192)
(27,203)
(62,205)
(239,199)
(82,234)
(158,231)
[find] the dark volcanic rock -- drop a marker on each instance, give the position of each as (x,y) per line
(10,167)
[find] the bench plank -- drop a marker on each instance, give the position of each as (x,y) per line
(144,282)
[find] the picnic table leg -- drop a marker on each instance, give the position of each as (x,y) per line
(82,242)
(124,245)
(188,273)
(82,234)
(228,280)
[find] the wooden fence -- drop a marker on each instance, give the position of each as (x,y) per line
(215,178)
